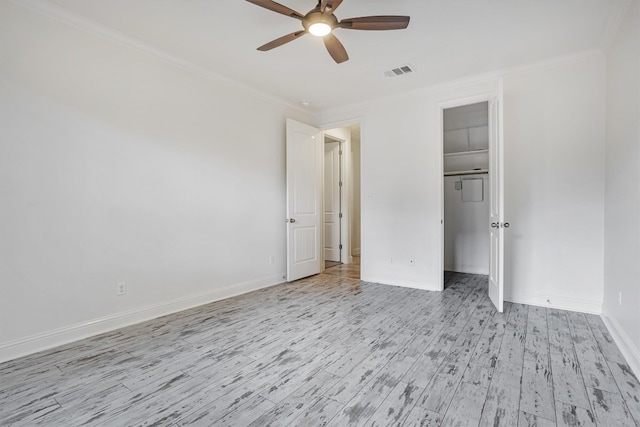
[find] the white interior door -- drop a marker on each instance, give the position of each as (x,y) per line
(304,200)
(332,202)
(496,210)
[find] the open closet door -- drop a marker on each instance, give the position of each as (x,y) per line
(305,153)
(496,209)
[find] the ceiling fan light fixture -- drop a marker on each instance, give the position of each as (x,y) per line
(320,29)
(321,21)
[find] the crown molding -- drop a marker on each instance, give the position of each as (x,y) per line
(66,17)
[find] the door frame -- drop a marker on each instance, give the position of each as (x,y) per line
(444,105)
(347,189)
(342,169)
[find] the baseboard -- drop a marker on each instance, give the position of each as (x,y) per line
(628,349)
(561,303)
(54,338)
(471,269)
(404,283)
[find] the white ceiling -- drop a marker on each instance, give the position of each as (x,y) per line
(446,40)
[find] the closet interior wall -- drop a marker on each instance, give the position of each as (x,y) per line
(466,188)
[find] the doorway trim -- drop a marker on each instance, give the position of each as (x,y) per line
(444,105)
(342,169)
(347,189)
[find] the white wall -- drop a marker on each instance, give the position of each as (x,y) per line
(554,146)
(402,184)
(466,239)
(554,181)
(116,165)
(622,202)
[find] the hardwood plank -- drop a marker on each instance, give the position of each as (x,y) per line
(364,404)
(299,401)
(420,417)
(346,388)
(28,412)
(503,397)
(443,385)
(70,409)
(466,406)
(479,370)
(595,371)
(283,386)
(536,393)
(320,413)
(604,339)
(610,409)
(537,321)
(568,383)
(530,420)
(428,363)
(624,377)
(242,416)
(396,407)
(629,387)
(573,416)
(512,348)
(141,405)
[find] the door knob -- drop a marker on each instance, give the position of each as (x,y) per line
(506,225)
(494,225)
(292,220)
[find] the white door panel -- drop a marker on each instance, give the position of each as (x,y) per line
(332,169)
(304,200)
(496,210)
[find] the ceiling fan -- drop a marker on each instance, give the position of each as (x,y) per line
(321,21)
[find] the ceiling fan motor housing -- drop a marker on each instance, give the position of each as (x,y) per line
(316,17)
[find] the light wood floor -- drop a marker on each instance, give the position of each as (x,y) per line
(351,271)
(332,350)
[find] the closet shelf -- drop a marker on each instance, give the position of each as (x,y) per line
(465,153)
(466,127)
(466,172)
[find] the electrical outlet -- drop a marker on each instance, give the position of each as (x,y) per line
(121,289)
(619,297)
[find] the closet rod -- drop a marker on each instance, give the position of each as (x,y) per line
(478,172)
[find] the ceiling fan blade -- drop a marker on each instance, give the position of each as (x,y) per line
(329,6)
(277,7)
(335,48)
(375,23)
(282,40)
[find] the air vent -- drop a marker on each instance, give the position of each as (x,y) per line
(400,71)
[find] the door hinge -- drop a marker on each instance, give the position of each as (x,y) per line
(340,215)
(340,152)
(341,247)
(340,183)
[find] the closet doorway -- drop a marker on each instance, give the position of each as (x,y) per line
(466,188)
(341,222)
(333,169)
(473,191)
